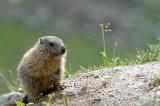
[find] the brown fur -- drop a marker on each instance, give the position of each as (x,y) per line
(36,68)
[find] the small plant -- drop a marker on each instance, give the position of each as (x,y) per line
(109,60)
(65,99)
(104,54)
(20,103)
(140,74)
(156,81)
(155,98)
(50,96)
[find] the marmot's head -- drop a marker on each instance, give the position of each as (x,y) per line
(52,45)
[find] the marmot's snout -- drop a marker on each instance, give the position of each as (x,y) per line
(63,50)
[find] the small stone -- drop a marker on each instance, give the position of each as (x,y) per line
(97,99)
(70,94)
(96,76)
(111,95)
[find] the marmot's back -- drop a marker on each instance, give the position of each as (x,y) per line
(42,66)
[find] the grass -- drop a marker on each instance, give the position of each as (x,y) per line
(151,54)
(13,84)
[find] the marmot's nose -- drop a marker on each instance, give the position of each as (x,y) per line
(63,49)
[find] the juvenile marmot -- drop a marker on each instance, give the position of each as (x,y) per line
(42,67)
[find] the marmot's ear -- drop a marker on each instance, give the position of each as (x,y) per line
(40,40)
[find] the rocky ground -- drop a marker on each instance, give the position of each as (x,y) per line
(117,86)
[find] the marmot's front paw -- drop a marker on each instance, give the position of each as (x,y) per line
(33,100)
(25,99)
(54,78)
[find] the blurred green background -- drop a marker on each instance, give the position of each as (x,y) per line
(134,24)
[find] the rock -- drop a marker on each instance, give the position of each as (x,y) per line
(10,98)
(127,86)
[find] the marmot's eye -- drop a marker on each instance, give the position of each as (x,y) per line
(51,44)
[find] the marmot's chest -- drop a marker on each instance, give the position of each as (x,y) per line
(51,65)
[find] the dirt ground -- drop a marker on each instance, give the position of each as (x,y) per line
(117,86)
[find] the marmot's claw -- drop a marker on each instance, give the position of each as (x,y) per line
(62,87)
(36,100)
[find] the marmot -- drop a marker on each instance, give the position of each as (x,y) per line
(42,67)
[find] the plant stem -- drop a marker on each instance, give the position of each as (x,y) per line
(103,39)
